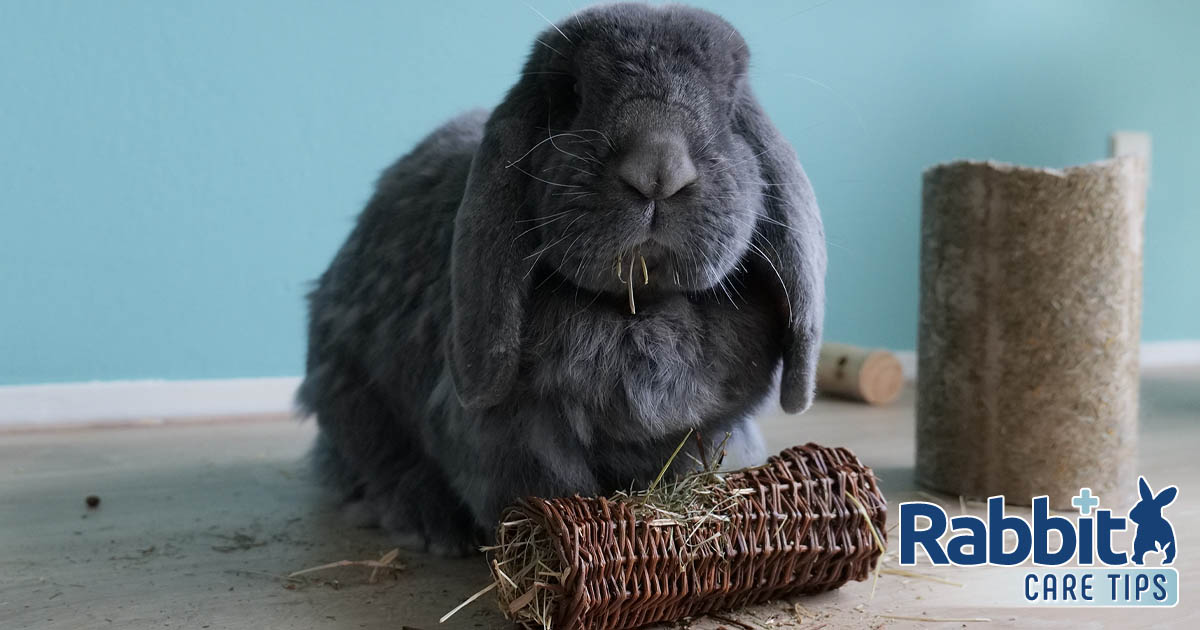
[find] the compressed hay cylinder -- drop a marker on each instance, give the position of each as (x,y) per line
(871,376)
(1031,286)
(698,545)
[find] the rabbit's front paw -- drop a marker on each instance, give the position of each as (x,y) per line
(421,514)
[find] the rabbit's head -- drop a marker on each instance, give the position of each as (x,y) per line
(1148,510)
(631,150)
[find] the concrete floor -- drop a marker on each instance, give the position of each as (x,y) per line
(199,522)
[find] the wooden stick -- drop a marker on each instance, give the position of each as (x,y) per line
(871,376)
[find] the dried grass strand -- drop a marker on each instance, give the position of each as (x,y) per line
(387,561)
(480,593)
(937,619)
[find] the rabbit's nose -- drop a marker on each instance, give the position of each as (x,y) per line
(657,166)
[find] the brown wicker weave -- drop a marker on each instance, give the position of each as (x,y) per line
(782,529)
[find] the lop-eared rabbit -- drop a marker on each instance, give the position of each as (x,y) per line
(545,299)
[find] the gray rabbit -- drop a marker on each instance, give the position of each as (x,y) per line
(546,299)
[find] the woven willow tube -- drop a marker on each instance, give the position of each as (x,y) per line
(1031,286)
(785,528)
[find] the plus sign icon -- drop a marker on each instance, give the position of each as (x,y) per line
(1085,501)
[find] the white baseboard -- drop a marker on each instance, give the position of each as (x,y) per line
(160,401)
(132,401)
(1161,354)
(908,363)
(1153,355)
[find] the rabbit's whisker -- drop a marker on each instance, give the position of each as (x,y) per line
(544,181)
(814,233)
(538,144)
(730,279)
(787,298)
(587,142)
(791,228)
(570,166)
(711,137)
(550,135)
(552,48)
(845,101)
(540,225)
(582,259)
(733,164)
(558,268)
(538,253)
(603,135)
(552,24)
(547,216)
(720,282)
(565,152)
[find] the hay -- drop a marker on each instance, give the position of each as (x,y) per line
(937,619)
(915,575)
(386,562)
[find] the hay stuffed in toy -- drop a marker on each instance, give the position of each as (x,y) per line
(807,521)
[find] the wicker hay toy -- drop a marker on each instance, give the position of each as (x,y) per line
(807,521)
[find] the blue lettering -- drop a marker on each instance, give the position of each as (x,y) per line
(1068,587)
(1048,593)
(976,539)
(1141,584)
(1043,523)
(1031,580)
(910,536)
(1085,541)
(999,523)
(1116,577)
(1106,524)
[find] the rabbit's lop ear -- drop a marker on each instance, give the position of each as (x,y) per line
(1166,496)
(1144,490)
(489,270)
(792,240)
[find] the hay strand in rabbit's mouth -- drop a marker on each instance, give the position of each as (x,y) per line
(628,281)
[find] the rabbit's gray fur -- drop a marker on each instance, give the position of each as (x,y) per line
(471,342)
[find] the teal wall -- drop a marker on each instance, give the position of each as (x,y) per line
(173,173)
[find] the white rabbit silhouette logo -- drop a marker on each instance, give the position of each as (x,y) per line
(1154,531)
